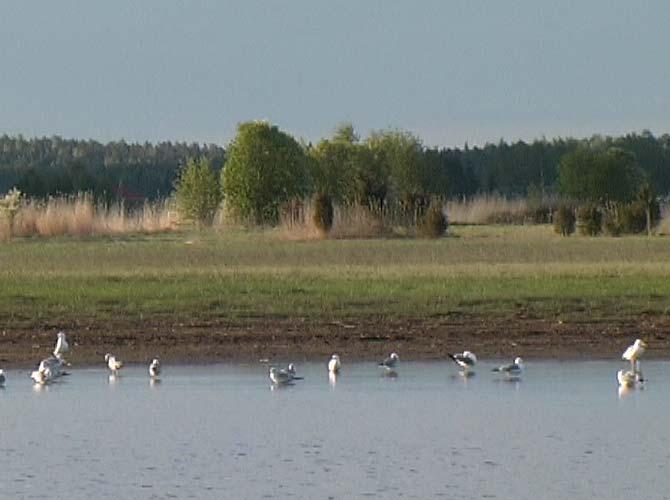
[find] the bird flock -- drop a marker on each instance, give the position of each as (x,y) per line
(54,366)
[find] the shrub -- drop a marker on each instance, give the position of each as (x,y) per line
(9,207)
(634,216)
(323,212)
(612,220)
(198,192)
(589,220)
(434,223)
(564,220)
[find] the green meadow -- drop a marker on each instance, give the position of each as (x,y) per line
(480,271)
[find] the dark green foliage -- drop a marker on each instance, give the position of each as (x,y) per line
(600,175)
(589,220)
(352,171)
(323,212)
(434,223)
(52,165)
(198,192)
(265,168)
(564,220)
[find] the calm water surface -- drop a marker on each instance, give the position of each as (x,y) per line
(218,431)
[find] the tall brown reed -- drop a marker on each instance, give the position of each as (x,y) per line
(80,216)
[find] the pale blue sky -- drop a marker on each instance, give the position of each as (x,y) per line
(449,71)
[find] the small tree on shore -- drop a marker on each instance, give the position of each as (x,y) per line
(589,220)
(9,207)
(198,192)
(433,224)
(265,168)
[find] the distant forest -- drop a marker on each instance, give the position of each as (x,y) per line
(46,166)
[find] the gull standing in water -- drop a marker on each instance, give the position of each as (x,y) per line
(279,377)
(513,369)
(465,360)
(390,363)
(2,378)
(114,364)
(155,368)
(61,346)
(634,351)
(334,364)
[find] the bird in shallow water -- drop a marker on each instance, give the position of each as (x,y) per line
(465,360)
(155,368)
(390,363)
(2,378)
(279,377)
(634,351)
(630,378)
(292,372)
(512,369)
(52,367)
(39,377)
(114,364)
(334,364)
(61,345)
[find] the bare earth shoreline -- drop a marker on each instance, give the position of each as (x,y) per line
(250,340)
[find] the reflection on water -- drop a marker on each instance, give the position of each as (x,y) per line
(560,431)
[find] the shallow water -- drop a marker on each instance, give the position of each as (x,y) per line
(219,431)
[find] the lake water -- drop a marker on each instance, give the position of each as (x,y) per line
(219,431)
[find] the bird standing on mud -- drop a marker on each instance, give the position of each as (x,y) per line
(61,346)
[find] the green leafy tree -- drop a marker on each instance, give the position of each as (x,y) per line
(198,192)
(600,175)
(402,155)
(264,169)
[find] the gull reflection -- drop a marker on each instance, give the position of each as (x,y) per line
(332,379)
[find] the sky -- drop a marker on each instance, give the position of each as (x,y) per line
(448,71)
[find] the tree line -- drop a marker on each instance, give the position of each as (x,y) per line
(388,164)
(46,166)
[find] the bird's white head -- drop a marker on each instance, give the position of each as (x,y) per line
(335,356)
(61,335)
(394,355)
(640,343)
(470,355)
(107,356)
(518,361)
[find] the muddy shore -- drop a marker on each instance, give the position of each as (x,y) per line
(359,339)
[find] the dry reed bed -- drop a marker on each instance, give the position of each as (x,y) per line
(81,216)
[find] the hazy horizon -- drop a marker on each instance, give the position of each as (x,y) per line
(451,72)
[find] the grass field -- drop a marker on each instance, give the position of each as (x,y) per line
(485,271)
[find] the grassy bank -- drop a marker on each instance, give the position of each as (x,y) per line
(501,272)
